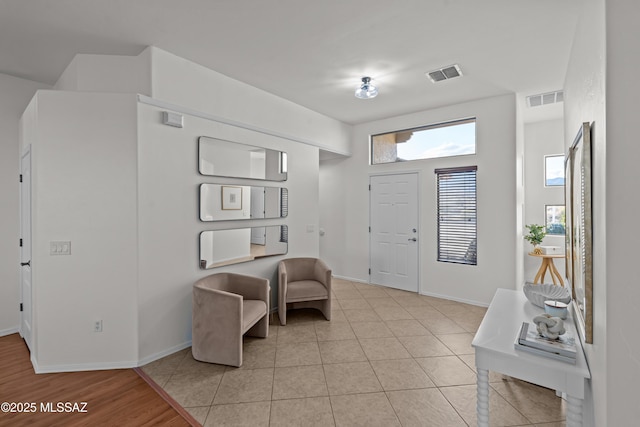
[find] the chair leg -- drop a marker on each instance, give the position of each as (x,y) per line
(282,314)
(326,309)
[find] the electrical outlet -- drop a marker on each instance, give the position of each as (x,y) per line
(97,326)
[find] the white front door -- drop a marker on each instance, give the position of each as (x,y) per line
(394,231)
(25,249)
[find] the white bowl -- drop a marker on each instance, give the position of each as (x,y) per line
(538,294)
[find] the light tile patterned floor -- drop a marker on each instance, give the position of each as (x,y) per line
(387,358)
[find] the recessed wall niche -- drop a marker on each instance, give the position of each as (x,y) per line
(217,157)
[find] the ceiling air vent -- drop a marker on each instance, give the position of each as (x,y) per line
(445,73)
(545,98)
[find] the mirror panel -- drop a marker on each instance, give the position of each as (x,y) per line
(234,160)
(221,202)
(232,246)
(579,230)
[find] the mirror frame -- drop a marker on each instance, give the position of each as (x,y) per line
(239,260)
(579,231)
(283,202)
(278,176)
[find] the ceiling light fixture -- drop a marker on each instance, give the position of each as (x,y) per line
(366,89)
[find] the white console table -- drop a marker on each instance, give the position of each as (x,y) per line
(494,349)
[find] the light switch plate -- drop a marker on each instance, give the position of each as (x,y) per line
(60,248)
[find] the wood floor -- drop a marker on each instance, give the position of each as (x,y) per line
(113,398)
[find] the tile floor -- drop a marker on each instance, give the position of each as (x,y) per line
(387,358)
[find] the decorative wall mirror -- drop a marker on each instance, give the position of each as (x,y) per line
(234,160)
(578,237)
(221,202)
(232,246)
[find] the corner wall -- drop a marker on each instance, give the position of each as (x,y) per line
(83,151)
(345,201)
(622,207)
(16,94)
(584,101)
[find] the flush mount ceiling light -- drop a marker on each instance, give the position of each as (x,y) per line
(366,89)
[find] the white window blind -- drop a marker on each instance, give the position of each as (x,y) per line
(284,212)
(457,215)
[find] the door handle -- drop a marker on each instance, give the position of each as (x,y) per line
(26,263)
(413,239)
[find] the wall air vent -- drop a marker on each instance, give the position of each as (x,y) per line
(445,73)
(545,98)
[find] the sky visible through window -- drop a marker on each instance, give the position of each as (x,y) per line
(445,141)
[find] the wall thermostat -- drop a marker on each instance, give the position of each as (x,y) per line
(172,119)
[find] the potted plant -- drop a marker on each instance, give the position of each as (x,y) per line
(535,236)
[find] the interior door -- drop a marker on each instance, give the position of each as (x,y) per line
(394,231)
(25,249)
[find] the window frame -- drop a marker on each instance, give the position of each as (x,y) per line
(438,125)
(457,244)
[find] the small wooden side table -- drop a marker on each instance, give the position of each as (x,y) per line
(547,264)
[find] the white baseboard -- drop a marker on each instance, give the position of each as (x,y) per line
(351,279)
(108,365)
(163,353)
(450,298)
(80,367)
(5,332)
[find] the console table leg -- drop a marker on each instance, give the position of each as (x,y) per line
(482,405)
(574,412)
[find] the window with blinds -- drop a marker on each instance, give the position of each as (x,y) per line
(457,215)
(284,211)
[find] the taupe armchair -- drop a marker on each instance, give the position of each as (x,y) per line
(225,307)
(303,283)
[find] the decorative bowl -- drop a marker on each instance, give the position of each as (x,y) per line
(538,294)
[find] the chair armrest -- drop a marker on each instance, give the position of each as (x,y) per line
(282,284)
(322,274)
(214,305)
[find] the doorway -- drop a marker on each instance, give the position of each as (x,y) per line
(393,251)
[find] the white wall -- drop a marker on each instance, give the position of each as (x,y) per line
(83,191)
(622,207)
(345,202)
(585,96)
(182,82)
(123,188)
(169,226)
(108,73)
(16,94)
(541,139)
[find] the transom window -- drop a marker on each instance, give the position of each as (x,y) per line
(427,142)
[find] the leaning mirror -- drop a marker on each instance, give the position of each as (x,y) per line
(220,202)
(217,157)
(579,230)
(226,247)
